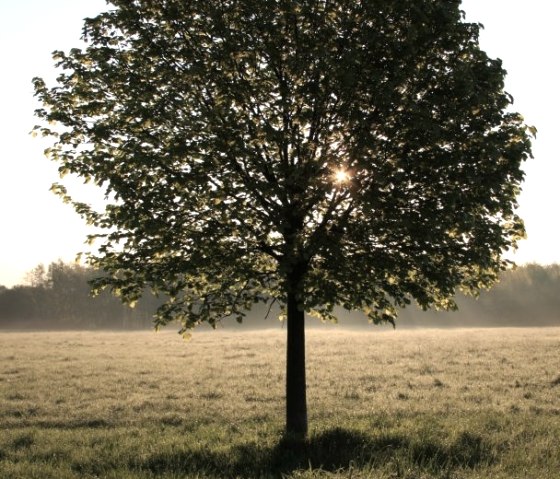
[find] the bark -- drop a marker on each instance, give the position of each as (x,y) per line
(296,402)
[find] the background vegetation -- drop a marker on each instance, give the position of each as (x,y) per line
(457,404)
(58,297)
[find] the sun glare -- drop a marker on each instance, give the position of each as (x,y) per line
(341,176)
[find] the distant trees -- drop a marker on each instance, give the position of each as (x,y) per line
(525,296)
(59,297)
(17,306)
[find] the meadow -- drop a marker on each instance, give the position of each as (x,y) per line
(414,404)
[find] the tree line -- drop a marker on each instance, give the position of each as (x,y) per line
(58,296)
(525,296)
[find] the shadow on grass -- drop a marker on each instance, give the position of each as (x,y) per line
(331,450)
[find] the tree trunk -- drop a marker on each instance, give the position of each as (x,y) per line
(296,403)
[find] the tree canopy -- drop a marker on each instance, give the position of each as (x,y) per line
(218,130)
(316,152)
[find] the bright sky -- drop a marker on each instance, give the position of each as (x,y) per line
(37,227)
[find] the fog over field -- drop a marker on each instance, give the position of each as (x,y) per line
(58,297)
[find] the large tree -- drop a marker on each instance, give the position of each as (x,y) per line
(316,153)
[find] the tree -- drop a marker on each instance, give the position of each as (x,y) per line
(314,153)
(37,277)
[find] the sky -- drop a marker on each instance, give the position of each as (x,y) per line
(36,227)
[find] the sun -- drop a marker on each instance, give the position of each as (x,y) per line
(341,176)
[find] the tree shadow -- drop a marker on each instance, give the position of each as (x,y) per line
(332,450)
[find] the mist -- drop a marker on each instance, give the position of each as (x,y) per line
(58,297)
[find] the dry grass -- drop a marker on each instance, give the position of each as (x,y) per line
(382,404)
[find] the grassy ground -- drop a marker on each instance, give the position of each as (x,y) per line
(382,404)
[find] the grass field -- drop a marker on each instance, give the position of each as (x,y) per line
(382,404)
